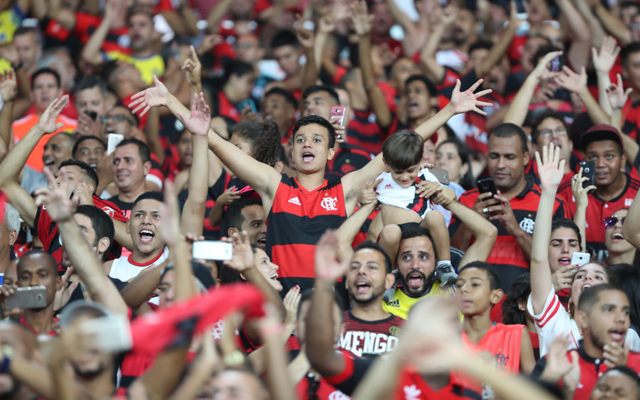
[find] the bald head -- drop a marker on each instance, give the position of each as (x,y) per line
(37,257)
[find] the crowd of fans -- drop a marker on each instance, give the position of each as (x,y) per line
(319,199)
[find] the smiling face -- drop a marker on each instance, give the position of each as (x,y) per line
(564,242)
(588,275)
(473,293)
(608,320)
(311,148)
(128,170)
(57,150)
(404,178)
(506,161)
(268,269)
(613,237)
(91,151)
(416,263)
(144,227)
(367,278)
(609,161)
(448,159)
(615,385)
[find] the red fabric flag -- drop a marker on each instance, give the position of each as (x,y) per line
(3,200)
(157,331)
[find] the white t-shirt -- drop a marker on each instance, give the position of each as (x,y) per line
(125,269)
(392,194)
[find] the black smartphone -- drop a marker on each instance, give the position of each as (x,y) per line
(487,185)
(521,9)
(588,171)
(92,114)
(556,64)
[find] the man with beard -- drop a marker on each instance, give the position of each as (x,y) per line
(19,341)
(416,261)
(141,32)
(603,318)
(369,330)
(246,215)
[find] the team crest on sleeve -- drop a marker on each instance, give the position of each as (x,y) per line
(527,225)
(109,211)
(329,203)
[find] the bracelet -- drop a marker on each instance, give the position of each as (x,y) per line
(234,359)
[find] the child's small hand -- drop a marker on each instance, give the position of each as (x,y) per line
(426,189)
(229,196)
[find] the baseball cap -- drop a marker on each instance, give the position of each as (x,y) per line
(81,307)
(599,133)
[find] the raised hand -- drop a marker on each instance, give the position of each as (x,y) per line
(563,278)
(541,71)
(47,121)
(200,120)
(152,97)
(208,43)
(229,196)
(617,95)
(368,194)
(64,292)
(306,38)
(572,81)
(327,267)
(361,18)
(558,365)
(291,302)
(192,68)
(550,167)
(603,61)
(242,258)
(59,206)
(467,100)
(580,193)
(8,86)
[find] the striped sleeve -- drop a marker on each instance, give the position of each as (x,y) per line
(554,320)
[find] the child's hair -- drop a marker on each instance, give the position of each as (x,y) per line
(492,275)
(519,292)
(264,138)
(402,150)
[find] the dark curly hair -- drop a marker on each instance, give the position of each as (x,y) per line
(264,138)
(520,290)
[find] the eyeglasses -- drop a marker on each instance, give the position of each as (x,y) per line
(547,133)
(116,118)
(612,221)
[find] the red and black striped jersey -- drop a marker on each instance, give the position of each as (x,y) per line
(47,229)
(363,131)
(506,254)
(311,389)
(590,370)
(599,209)
(631,119)
(297,220)
(347,158)
(369,338)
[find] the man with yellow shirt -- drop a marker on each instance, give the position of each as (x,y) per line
(141,33)
(416,260)
(45,87)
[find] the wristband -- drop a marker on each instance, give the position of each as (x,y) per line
(7,356)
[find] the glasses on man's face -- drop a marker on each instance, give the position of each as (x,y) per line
(612,221)
(116,118)
(547,133)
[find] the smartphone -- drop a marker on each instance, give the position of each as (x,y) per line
(442,175)
(487,185)
(114,141)
(248,102)
(92,114)
(27,297)
(580,259)
(110,334)
(337,111)
(557,64)
(521,10)
(212,250)
(589,171)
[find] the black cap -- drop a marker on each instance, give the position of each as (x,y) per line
(600,132)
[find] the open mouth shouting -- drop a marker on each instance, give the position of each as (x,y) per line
(617,334)
(415,280)
(308,157)
(413,107)
(146,236)
(617,237)
(261,241)
(362,286)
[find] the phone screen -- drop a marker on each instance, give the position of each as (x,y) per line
(337,111)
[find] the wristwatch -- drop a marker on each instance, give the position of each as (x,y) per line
(7,356)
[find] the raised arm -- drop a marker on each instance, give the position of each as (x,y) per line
(64,16)
(598,34)
(578,84)
(578,54)
(263,178)
(182,21)
(216,14)
(500,47)
(61,209)
(307,40)
(9,91)
(602,63)
(350,228)
(617,98)
(198,124)
(92,50)
(428,64)
(582,202)
(631,229)
(520,105)
(551,171)
(17,158)
(612,24)
(320,333)
(483,230)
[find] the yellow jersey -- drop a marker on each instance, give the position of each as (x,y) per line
(10,20)
(148,66)
(402,303)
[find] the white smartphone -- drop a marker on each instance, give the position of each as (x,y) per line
(111,334)
(580,259)
(114,141)
(212,250)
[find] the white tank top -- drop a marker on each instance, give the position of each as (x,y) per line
(392,194)
(125,269)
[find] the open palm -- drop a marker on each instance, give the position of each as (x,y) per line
(550,167)
(200,120)
(47,121)
(153,97)
(467,100)
(327,267)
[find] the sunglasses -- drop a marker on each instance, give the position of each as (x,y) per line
(612,221)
